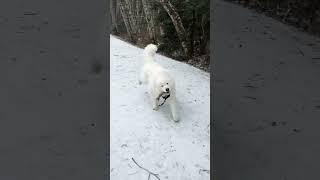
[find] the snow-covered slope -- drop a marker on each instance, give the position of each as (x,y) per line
(175,151)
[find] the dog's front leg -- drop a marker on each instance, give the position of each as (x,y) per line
(155,103)
(174,110)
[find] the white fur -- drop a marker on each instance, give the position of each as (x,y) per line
(158,80)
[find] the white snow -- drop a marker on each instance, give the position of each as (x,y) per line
(175,151)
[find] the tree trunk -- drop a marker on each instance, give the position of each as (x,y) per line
(125,18)
(149,18)
(129,4)
(138,15)
(177,22)
(192,34)
(113,13)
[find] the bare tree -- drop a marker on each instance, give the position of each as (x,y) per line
(113,12)
(125,18)
(132,16)
(149,16)
(177,22)
(145,21)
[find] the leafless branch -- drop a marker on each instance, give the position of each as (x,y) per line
(150,173)
(300,51)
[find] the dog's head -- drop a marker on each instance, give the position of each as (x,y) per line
(165,86)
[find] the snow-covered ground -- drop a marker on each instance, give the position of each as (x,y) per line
(266,97)
(175,151)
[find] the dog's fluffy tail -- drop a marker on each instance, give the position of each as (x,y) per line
(149,52)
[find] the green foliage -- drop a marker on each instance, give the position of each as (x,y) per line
(170,41)
(195,16)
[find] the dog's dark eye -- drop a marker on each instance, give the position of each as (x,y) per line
(167,83)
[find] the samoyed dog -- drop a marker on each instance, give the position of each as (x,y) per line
(161,86)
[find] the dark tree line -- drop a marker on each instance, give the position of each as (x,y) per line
(304,14)
(181,27)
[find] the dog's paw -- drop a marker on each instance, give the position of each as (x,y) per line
(155,108)
(176,118)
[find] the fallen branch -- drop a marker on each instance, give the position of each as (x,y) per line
(150,173)
(300,51)
(165,96)
(204,170)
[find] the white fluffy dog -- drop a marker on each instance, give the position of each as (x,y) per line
(160,83)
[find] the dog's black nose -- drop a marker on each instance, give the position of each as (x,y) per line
(167,89)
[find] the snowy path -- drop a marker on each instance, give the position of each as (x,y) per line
(175,151)
(266,97)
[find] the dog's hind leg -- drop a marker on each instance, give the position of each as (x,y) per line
(154,98)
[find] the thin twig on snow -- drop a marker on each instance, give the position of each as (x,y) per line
(150,173)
